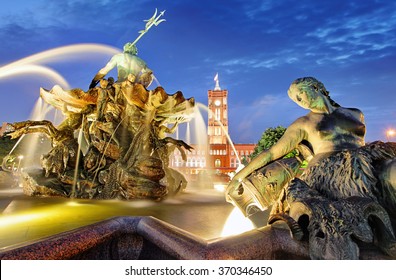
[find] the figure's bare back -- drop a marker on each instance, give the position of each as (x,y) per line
(129,64)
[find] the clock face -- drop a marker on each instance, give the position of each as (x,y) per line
(217,102)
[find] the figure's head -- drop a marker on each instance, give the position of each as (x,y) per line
(130,48)
(311,94)
(110,80)
(103,83)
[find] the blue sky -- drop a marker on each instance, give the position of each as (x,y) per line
(257,47)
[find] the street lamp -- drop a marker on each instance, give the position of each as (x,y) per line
(390,133)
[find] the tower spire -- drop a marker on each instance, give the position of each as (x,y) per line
(216,79)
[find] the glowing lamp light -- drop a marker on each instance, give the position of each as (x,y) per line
(390,133)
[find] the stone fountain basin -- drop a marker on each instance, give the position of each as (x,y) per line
(187,227)
(128,238)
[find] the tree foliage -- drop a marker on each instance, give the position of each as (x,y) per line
(6,144)
(269,137)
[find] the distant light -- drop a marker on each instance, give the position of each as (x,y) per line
(219,187)
(390,133)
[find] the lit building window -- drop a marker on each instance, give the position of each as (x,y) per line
(217,113)
(217,163)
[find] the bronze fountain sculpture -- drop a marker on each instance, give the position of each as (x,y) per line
(124,125)
(347,194)
(342,203)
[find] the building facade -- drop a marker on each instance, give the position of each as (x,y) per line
(219,156)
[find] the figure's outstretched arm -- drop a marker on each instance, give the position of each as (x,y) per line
(103,72)
(293,135)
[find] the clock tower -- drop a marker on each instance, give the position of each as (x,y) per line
(218,114)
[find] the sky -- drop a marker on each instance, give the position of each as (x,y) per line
(257,47)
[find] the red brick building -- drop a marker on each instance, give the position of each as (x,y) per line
(218,157)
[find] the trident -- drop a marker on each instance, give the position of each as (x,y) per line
(154,20)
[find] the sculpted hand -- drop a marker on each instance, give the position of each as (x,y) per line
(234,184)
(232,187)
(93,84)
(96,80)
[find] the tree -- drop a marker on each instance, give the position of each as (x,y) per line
(6,144)
(269,137)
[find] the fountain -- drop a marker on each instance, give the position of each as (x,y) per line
(124,126)
(113,146)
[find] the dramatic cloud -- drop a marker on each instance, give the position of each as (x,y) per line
(258,48)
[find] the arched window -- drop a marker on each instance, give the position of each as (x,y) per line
(217,114)
(217,163)
(178,162)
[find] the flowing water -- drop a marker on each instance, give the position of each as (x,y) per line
(195,132)
(32,65)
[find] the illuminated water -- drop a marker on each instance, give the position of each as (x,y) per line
(25,219)
(29,218)
(32,65)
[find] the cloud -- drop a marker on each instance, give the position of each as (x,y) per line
(266,61)
(254,8)
(270,110)
(354,36)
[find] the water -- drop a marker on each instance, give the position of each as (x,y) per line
(204,107)
(75,176)
(188,133)
(61,54)
(32,65)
